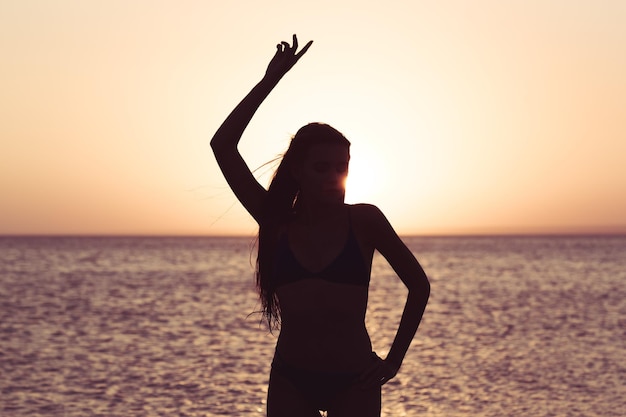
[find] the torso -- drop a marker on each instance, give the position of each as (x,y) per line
(323,291)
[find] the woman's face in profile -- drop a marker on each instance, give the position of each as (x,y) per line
(323,173)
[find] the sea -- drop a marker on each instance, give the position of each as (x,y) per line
(169,326)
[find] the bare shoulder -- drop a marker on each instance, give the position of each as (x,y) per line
(366,213)
(381,236)
(370,222)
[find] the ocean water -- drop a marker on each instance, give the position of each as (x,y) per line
(116,326)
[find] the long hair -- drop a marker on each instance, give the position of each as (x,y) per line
(280,206)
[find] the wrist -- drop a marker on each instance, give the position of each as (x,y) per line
(394,362)
(271,79)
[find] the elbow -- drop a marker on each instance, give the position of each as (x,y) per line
(421,287)
(215,145)
(217,151)
(425,288)
(219,147)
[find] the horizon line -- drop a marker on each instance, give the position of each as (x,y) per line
(619,233)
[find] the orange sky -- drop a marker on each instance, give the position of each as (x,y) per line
(465,116)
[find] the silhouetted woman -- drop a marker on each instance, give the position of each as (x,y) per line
(313,267)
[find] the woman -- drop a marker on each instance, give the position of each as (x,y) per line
(313,266)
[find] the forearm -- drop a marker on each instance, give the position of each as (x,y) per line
(411,318)
(231,130)
(228,135)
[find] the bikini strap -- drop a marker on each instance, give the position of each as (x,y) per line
(350,226)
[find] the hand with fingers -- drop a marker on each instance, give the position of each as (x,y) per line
(285,58)
(378,373)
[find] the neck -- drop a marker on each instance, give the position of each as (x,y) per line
(317,212)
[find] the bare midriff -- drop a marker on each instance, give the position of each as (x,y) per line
(323,326)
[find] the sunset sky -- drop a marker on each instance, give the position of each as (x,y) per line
(464,116)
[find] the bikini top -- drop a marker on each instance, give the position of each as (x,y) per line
(347,268)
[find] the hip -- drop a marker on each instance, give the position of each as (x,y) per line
(327,353)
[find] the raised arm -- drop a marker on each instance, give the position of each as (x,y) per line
(224,143)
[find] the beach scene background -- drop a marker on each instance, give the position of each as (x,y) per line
(490,133)
(166,326)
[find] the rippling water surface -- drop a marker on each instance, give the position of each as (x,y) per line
(516,326)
